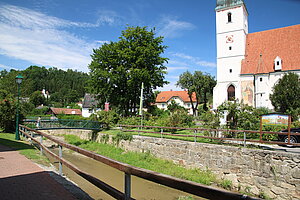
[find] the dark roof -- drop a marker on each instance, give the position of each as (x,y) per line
(89,101)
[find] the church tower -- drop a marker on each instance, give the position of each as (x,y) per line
(231,32)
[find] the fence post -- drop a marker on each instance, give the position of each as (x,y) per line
(60,156)
(195,132)
(161,132)
(244,139)
(31,134)
(41,141)
(127,186)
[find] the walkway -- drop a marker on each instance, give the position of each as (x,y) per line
(20,178)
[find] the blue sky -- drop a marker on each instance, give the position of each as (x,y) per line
(62,33)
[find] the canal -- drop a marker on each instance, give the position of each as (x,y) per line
(140,189)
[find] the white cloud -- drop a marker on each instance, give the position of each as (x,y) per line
(41,39)
(194,60)
(7,67)
(171,28)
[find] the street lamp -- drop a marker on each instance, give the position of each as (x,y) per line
(19,81)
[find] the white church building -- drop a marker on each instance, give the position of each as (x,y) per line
(250,64)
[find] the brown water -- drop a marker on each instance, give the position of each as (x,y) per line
(140,188)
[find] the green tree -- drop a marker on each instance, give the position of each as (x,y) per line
(118,69)
(286,95)
(8,112)
(201,84)
(37,98)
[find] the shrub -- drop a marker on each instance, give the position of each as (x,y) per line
(107,118)
(121,136)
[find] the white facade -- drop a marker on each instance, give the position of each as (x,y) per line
(232,29)
(179,101)
(86,112)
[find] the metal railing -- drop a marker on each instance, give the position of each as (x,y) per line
(172,182)
(243,134)
(46,124)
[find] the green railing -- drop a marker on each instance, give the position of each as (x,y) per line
(45,124)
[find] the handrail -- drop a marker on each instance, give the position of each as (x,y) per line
(176,183)
(212,130)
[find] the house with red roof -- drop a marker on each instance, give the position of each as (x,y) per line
(180,97)
(250,64)
(64,111)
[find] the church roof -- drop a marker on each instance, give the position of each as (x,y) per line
(165,96)
(263,47)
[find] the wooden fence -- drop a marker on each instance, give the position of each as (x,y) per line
(213,133)
(172,182)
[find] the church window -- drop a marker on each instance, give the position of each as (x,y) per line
(230,48)
(260,79)
(230,70)
(229,17)
(231,93)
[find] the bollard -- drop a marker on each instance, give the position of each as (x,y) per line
(127,186)
(60,156)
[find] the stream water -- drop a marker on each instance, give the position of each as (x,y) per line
(140,189)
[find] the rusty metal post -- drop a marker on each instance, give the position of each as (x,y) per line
(127,186)
(244,139)
(60,156)
(289,129)
(260,129)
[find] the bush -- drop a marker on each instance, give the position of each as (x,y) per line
(121,136)
(107,118)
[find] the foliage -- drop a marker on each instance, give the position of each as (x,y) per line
(130,120)
(64,86)
(174,106)
(210,119)
(201,84)
(74,117)
(286,95)
(107,118)
(118,69)
(104,138)
(226,184)
(179,118)
(121,136)
(8,107)
(37,98)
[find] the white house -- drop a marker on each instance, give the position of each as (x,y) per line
(180,97)
(89,105)
(250,64)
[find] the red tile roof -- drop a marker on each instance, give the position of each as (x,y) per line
(263,47)
(66,111)
(165,96)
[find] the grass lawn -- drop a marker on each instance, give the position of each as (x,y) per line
(29,151)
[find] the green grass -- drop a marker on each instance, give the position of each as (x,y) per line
(29,151)
(145,160)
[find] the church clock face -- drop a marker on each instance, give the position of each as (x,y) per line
(229,39)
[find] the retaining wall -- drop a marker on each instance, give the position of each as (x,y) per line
(276,174)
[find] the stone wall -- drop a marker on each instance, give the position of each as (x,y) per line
(276,174)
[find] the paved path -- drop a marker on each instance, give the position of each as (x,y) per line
(20,178)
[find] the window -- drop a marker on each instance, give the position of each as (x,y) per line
(230,70)
(188,105)
(231,93)
(229,17)
(230,48)
(163,105)
(278,63)
(260,79)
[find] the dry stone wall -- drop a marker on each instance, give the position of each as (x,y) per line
(276,174)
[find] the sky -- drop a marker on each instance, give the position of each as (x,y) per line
(63,33)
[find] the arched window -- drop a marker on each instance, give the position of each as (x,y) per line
(231,93)
(229,16)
